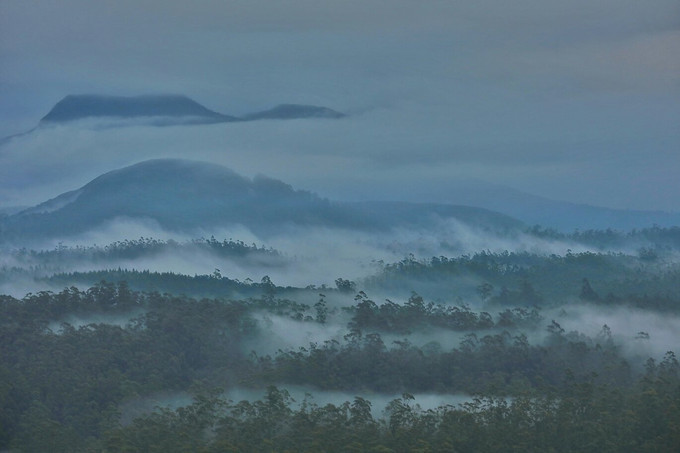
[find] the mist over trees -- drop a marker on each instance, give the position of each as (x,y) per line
(342,226)
(508,332)
(549,341)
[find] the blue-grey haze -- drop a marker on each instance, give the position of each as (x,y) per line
(577,101)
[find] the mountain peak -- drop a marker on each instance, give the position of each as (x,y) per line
(81,106)
(84,106)
(184,195)
(295,111)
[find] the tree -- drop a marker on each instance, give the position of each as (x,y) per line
(485,290)
(345,286)
(587,292)
(321,309)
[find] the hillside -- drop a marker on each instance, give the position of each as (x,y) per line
(185,195)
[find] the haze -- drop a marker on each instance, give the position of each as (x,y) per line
(575,101)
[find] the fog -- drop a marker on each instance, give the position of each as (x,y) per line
(425,401)
(571,101)
(306,255)
(626,323)
(22,282)
(120,320)
(379,401)
(527,107)
(375,155)
(282,333)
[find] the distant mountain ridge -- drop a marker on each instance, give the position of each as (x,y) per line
(88,106)
(164,110)
(161,110)
(183,195)
(288,111)
(561,215)
(74,107)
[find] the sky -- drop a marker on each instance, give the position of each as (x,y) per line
(576,101)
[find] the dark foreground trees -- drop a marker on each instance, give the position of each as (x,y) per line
(581,418)
(65,387)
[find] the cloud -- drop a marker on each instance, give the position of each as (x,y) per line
(404,153)
(625,324)
(239,53)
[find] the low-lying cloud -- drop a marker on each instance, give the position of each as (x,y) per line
(305,255)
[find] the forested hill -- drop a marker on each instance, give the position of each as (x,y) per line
(185,195)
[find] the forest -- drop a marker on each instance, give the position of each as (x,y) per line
(339,226)
(490,351)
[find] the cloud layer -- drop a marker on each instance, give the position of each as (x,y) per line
(572,100)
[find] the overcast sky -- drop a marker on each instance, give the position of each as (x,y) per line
(575,100)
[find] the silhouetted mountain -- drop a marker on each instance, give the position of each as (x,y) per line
(174,109)
(294,111)
(160,110)
(75,107)
(187,195)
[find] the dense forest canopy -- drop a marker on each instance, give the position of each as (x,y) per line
(510,334)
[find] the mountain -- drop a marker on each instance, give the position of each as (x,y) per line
(75,107)
(160,110)
(9,210)
(561,215)
(295,111)
(183,195)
